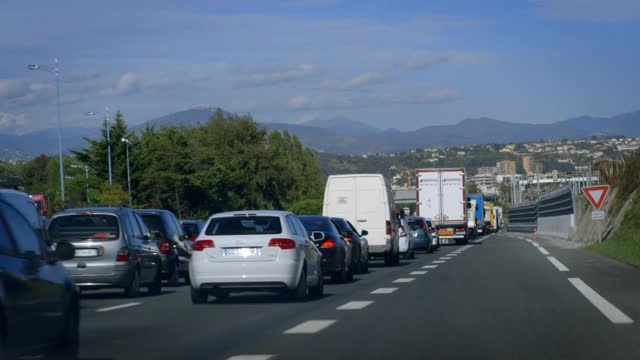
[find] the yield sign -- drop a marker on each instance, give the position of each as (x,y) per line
(596,194)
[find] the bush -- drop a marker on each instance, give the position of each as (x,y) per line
(307,207)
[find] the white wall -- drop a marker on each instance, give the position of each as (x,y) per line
(562,226)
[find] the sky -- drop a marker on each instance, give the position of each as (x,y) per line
(390,64)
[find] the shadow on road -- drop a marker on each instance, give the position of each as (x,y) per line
(252,299)
(118,294)
(380,264)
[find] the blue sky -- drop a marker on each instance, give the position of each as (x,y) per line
(401,64)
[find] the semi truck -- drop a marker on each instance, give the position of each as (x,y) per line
(478,215)
(442,197)
(489,217)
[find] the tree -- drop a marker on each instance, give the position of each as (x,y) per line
(111,195)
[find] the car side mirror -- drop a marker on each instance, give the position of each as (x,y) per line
(364,233)
(157,235)
(317,236)
(65,251)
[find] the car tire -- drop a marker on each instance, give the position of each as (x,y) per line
(199,296)
(133,290)
(350,274)
(396,259)
(156,287)
(412,255)
(174,277)
(221,295)
(317,291)
(187,278)
(301,291)
(388,258)
(366,267)
(69,344)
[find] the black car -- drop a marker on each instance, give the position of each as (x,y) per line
(175,252)
(39,306)
(359,253)
(192,228)
(336,251)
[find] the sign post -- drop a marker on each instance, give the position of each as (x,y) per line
(596,196)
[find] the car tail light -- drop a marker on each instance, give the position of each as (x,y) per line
(403,232)
(388,227)
(460,230)
(348,239)
(165,247)
(283,244)
(192,238)
(200,245)
(123,254)
(328,244)
(433,231)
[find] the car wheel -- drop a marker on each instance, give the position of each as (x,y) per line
(199,296)
(396,259)
(187,278)
(174,278)
(350,274)
(133,290)
(388,258)
(67,347)
(365,270)
(300,292)
(318,290)
(412,255)
(221,295)
(156,287)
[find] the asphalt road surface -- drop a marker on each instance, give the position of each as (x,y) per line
(504,298)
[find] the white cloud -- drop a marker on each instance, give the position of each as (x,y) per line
(13,123)
(278,75)
(15,93)
(589,10)
(126,84)
(358,101)
(362,80)
(426,60)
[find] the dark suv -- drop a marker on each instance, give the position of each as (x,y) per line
(171,239)
(39,308)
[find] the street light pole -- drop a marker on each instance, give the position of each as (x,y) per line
(106,121)
(56,72)
(126,141)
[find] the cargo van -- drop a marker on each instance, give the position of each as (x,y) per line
(366,200)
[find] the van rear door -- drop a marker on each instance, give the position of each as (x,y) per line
(372,204)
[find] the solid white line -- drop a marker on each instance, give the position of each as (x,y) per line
(354,305)
(251,357)
(118,307)
(438,262)
(384,291)
(310,327)
(403,280)
(543,251)
(606,308)
(557,264)
(418,272)
(430,266)
(535,244)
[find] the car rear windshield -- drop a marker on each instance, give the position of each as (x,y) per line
(92,227)
(318,224)
(415,225)
(342,225)
(154,222)
(242,225)
(191,229)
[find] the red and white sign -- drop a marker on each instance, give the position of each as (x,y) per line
(596,194)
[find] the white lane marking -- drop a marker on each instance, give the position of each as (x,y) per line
(403,280)
(438,262)
(384,291)
(557,264)
(310,327)
(535,244)
(418,272)
(543,251)
(355,305)
(430,266)
(446,258)
(453,254)
(606,308)
(251,357)
(118,307)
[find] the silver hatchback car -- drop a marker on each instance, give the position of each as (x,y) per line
(113,249)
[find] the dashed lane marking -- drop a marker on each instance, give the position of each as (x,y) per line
(606,308)
(404,280)
(310,327)
(384,291)
(543,250)
(446,258)
(560,266)
(355,305)
(418,272)
(438,262)
(430,266)
(118,307)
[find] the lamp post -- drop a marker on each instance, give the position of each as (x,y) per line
(127,143)
(106,120)
(56,72)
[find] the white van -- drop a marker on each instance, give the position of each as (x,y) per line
(366,200)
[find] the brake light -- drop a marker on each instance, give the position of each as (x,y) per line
(403,232)
(460,230)
(388,227)
(165,247)
(284,244)
(203,244)
(192,238)
(433,231)
(348,239)
(328,244)
(123,254)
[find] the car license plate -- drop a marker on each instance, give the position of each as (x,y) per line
(86,252)
(244,252)
(446,232)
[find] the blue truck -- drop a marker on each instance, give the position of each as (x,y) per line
(479,214)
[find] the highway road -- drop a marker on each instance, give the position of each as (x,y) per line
(505,298)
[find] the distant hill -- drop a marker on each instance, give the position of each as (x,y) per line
(345,136)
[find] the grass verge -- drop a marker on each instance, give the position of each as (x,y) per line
(624,244)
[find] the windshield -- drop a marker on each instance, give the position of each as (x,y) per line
(240,225)
(416,225)
(153,222)
(84,227)
(191,229)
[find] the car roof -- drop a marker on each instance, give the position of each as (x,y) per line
(112,210)
(252,213)
(152,211)
(190,221)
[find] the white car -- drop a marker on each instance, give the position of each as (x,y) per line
(407,241)
(255,250)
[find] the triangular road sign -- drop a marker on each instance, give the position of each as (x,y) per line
(596,194)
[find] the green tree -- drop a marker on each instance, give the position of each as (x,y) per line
(112,195)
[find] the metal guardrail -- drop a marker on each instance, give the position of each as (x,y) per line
(523,217)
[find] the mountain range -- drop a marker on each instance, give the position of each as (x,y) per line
(346,136)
